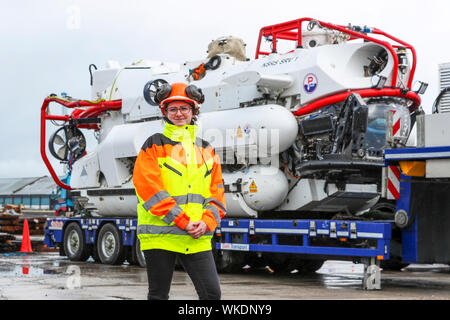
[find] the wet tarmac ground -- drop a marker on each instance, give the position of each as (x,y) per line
(48,276)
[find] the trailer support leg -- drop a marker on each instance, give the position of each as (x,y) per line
(372,274)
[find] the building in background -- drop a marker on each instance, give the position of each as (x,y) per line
(36,193)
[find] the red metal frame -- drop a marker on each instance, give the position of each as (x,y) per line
(292,30)
(95,109)
(365,93)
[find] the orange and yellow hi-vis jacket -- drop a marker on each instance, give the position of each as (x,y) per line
(177,178)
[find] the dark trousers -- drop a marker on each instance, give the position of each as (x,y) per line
(200,267)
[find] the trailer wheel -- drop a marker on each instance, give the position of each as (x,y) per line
(74,243)
(110,248)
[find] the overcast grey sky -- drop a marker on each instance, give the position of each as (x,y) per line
(47,46)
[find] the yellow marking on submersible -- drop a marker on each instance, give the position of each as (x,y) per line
(239,132)
(253,187)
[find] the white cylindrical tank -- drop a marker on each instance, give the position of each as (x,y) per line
(264,187)
(258,188)
(264,130)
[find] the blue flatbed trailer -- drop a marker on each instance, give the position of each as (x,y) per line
(341,230)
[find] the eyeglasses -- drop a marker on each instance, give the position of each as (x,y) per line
(184,110)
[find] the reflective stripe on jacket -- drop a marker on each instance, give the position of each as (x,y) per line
(178,178)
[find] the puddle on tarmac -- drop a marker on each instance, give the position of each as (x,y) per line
(35,266)
(24,270)
(17,265)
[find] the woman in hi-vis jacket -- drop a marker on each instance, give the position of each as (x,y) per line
(178,182)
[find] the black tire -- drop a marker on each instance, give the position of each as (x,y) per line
(110,248)
(74,243)
(136,256)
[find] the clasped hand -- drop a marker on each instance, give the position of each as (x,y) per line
(196,229)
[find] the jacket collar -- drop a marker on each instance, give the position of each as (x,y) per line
(180,133)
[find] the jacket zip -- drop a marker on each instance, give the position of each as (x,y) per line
(173,169)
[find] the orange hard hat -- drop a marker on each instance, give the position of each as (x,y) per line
(178,91)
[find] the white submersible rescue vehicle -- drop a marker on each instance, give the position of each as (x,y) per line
(301,134)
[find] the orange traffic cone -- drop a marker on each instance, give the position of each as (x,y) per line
(26,243)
